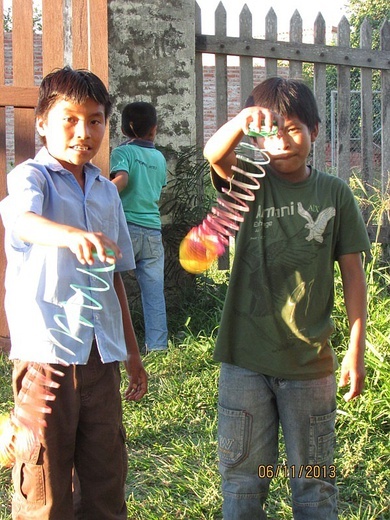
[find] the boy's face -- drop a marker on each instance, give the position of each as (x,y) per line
(289,149)
(73,133)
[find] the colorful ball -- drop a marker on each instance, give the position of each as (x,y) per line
(198,251)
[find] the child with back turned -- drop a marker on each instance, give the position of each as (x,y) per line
(67,310)
(278,367)
(139,171)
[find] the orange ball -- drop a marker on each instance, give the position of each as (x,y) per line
(198,251)
(14,441)
(7,456)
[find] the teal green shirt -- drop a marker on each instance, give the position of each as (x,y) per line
(146,168)
(277,314)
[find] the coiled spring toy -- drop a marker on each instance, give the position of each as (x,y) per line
(206,242)
(22,428)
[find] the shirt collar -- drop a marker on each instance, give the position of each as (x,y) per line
(139,142)
(43,157)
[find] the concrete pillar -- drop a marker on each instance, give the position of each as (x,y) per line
(151,58)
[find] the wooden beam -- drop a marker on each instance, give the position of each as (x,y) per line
(19,97)
(52,35)
(306,52)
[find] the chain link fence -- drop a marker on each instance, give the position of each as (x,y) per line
(356,128)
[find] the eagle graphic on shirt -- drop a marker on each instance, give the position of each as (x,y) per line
(283,260)
(316,227)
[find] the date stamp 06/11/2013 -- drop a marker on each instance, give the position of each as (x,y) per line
(309,471)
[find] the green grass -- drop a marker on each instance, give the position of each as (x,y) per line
(172,432)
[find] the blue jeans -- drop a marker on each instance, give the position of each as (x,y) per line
(149,271)
(251,407)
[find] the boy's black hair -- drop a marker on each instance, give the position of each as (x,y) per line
(76,85)
(287,97)
(138,118)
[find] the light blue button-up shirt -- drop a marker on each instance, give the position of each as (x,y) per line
(56,306)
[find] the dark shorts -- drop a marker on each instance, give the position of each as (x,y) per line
(84,434)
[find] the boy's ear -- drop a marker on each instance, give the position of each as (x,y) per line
(314,133)
(152,132)
(39,126)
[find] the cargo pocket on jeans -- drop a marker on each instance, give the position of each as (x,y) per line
(29,479)
(234,433)
(322,438)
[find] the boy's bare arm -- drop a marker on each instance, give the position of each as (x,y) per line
(219,150)
(120,179)
(35,229)
(355,297)
(138,379)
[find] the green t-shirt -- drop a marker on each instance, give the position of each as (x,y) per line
(277,314)
(146,167)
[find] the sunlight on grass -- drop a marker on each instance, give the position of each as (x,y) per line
(171,433)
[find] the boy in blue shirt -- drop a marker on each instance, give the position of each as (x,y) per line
(139,172)
(66,243)
(278,368)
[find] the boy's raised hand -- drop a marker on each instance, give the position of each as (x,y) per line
(219,149)
(258,118)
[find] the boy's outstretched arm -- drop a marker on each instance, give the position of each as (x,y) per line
(355,297)
(35,229)
(138,379)
(219,150)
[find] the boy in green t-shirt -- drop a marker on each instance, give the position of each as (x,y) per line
(277,365)
(139,170)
